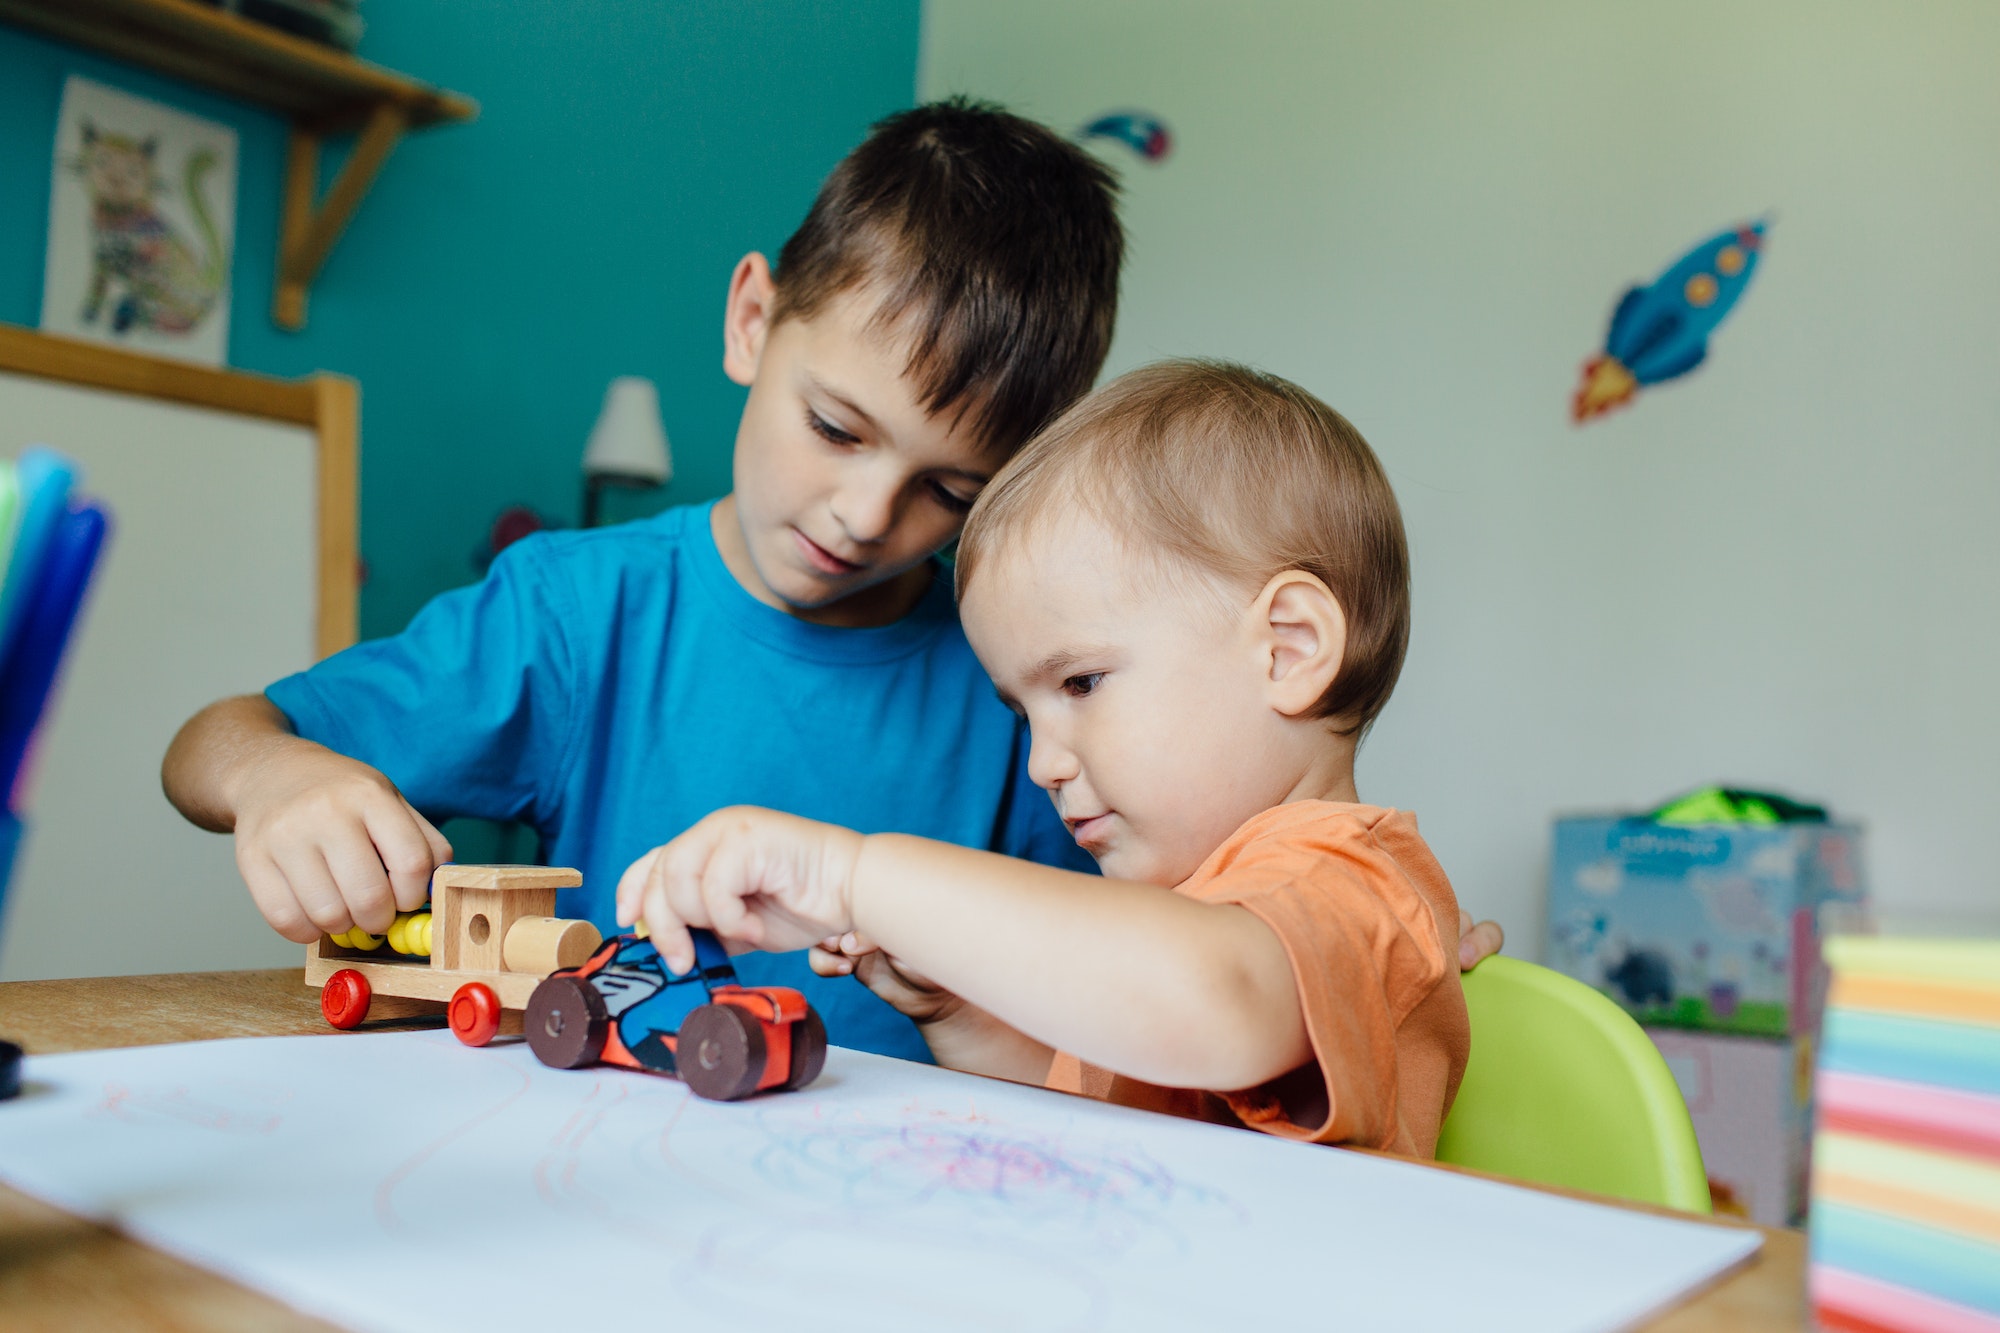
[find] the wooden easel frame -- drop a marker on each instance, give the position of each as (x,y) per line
(328,405)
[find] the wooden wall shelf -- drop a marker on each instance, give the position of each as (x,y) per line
(322,90)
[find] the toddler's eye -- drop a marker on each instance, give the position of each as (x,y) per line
(827,431)
(1078,686)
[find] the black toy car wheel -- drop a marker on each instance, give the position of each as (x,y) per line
(720,1052)
(566,1023)
(808,1050)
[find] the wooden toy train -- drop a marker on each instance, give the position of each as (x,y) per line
(490,950)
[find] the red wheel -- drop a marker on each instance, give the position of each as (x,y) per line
(474,1013)
(808,1051)
(719,1052)
(344,998)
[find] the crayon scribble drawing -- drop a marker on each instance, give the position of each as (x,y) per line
(937,1161)
(241,1109)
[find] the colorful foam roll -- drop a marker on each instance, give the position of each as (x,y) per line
(1906,1156)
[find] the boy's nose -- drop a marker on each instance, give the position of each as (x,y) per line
(866,513)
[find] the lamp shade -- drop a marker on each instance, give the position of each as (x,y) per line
(628,441)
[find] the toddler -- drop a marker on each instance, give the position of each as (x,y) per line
(1194,586)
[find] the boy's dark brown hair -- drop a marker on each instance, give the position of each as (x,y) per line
(1236,473)
(995,245)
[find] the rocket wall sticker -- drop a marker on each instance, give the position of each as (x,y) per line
(1141,131)
(1659,333)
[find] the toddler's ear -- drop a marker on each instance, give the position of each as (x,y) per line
(1304,637)
(746,320)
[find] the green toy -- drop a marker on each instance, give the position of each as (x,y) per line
(1564,1089)
(1732,805)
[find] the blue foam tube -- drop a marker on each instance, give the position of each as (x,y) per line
(29,672)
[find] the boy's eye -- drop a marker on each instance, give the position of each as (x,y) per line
(829,432)
(951,499)
(1078,686)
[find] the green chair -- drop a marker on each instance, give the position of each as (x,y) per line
(1564,1089)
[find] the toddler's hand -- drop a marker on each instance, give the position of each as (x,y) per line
(772,881)
(907,991)
(1477,943)
(326,843)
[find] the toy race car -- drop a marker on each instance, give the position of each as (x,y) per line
(723,1039)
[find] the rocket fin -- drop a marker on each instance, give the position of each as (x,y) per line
(1673,367)
(1622,316)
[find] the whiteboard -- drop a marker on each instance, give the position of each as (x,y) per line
(404,1181)
(206,589)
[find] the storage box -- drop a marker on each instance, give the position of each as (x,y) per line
(1751,1102)
(1713,927)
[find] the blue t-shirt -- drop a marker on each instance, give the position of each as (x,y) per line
(610,687)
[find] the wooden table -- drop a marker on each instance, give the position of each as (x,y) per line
(57,1271)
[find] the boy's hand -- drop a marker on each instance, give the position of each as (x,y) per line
(773,881)
(1477,943)
(907,991)
(326,843)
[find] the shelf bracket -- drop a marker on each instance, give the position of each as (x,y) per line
(309,229)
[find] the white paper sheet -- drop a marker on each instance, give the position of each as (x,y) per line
(402,1181)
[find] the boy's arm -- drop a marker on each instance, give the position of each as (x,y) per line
(323,842)
(1128,976)
(470,707)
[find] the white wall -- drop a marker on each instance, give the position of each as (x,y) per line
(1783,570)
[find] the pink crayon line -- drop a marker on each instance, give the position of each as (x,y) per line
(385,1208)
(1844,1300)
(575,1125)
(1913,1113)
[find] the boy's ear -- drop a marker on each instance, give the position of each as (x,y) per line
(1302,635)
(746,320)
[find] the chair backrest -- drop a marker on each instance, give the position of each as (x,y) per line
(1563,1088)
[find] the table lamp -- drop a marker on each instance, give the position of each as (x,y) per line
(628,446)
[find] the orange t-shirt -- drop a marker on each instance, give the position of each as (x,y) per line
(1371,927)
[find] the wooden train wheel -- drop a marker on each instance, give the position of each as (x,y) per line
(343,1001)
(474,1013)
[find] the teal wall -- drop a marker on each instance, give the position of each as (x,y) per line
(500,273)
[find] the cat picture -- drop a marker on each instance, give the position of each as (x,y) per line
(141,225)
(154,278)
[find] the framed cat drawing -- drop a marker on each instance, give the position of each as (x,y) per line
(142,223)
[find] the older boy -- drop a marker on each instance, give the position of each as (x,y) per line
(1195,587)
(794,644)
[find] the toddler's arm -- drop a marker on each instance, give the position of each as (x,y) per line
(1128,976)
(324,842)
(960,1035)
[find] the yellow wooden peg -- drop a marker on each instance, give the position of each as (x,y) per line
(410,933)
